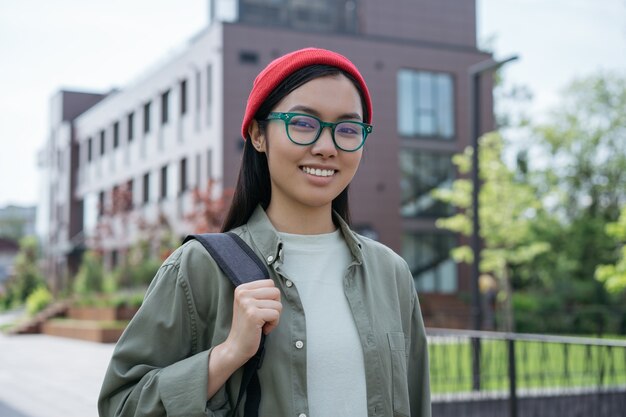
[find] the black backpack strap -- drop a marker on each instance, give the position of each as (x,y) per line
(241,265)
(233,256)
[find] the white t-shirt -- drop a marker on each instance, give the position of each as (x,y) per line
(316,264)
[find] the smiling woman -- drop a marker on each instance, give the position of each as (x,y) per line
(344,330)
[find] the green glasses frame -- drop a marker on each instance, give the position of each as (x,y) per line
(286,117)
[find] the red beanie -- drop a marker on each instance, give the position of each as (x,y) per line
(282,67)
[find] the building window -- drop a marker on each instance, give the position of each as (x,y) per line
(209,94)
(102,142)
(165,99)
(146,188)
(198,172)
(129,200)
(425,104)
(183,97)
(89,150)
(116,135)
(198,86)
(420,174)
(146,117)
(101,204)
(163,194)
(130,121)
(183,175)
(248,57)
(209,165)
(428,257)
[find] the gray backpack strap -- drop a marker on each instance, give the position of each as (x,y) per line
(241,265)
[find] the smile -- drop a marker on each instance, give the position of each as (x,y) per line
(318,172)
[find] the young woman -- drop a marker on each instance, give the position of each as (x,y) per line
(345,336)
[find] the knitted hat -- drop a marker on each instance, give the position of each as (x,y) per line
(282,67)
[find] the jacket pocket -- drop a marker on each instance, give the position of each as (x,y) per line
(399,379)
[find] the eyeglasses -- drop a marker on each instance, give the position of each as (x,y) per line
(303,129)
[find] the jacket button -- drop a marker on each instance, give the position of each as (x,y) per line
(270,258)
(301,415)
(289,283)
(299,344)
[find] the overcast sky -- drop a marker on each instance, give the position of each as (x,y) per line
(97,45)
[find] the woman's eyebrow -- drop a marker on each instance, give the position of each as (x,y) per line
(315,113)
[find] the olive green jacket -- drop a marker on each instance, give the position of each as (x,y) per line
(160,364)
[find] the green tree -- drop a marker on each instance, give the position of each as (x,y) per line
(614,275)
(507,209)
(578,165)
(584,140)
(90,277)
(27,274)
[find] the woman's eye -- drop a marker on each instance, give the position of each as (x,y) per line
(303,123)
(345,129)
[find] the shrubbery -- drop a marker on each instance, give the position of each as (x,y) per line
(27,275)
(38,300)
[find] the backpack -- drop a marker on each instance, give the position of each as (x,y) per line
(241,265)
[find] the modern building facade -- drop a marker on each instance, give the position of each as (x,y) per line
(179,126)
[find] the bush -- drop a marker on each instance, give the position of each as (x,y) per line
(39,299)
(27,275)
(90,278)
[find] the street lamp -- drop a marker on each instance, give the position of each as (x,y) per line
(475,73)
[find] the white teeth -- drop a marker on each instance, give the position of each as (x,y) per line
(319,172)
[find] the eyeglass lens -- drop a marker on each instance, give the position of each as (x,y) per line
(304,130)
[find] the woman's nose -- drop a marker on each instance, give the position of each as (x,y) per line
(324,145)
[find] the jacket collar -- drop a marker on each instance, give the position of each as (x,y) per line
(266,238)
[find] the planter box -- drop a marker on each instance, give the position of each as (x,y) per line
(91,330)
(102,313)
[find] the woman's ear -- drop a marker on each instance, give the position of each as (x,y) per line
(257,137)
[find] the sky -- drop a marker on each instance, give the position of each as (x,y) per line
(99,45)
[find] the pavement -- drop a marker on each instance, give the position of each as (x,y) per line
(47,376)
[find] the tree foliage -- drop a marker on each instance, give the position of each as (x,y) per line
(27,276)
(507,209)
(575,160)
(614,275)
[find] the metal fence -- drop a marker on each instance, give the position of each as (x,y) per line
(521,375)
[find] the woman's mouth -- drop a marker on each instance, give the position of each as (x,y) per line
(318,172)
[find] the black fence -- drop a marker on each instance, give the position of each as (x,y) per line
(521,375)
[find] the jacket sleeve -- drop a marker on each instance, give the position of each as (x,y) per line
(417,366)
(157,368)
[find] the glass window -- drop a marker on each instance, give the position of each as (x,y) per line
(183,97)
(425,104)
(183,175)
(130,121)
(146,187)
(198,81)
(209,94)
(420,174)
(102,142)
(428,257)
(101,204)
(89,150)
(165,99)
(116,135)
(163,194)
(146,117)
(129,200)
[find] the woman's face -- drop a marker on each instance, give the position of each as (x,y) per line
(295,169)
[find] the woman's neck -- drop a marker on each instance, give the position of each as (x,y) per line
(301,220)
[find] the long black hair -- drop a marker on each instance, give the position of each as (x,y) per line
(253,184)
